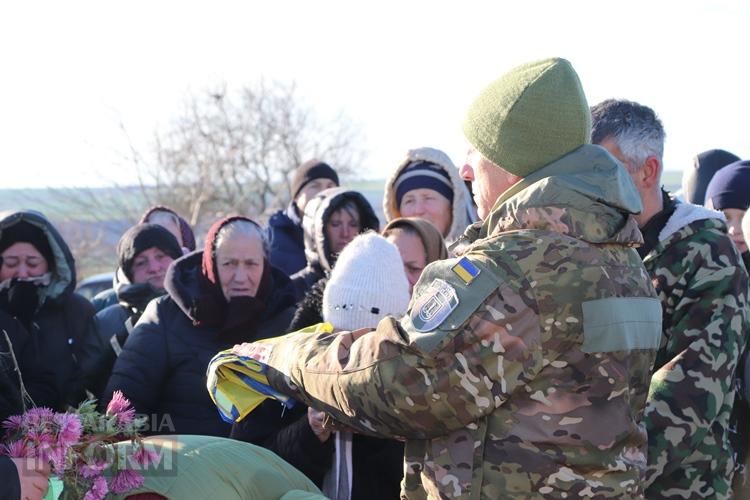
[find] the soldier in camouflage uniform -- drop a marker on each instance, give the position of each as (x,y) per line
(703,288)
(522,367)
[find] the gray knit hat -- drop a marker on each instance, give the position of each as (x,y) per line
(529,117)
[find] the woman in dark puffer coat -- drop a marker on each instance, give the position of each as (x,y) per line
(144,253)
(226,294)
(37,283)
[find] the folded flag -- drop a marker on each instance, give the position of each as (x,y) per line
(237,384)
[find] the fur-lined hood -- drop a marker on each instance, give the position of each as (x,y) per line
(464,212)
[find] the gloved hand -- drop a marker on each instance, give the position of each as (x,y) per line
(21,300)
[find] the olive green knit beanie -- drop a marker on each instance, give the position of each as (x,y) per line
(529,117)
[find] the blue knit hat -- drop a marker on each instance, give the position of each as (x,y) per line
(730,187)
(423,175)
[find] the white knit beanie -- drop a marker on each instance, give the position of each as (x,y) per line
(367,284)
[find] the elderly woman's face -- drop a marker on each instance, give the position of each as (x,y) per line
(430,205)
(240,263)
(22,260)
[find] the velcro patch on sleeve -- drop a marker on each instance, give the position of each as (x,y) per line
(621,324)
(443,301)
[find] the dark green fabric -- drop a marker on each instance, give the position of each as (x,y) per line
(621,324)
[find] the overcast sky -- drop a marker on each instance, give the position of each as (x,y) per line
(405,71)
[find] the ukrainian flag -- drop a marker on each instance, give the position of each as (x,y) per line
(465,270)
(238,384)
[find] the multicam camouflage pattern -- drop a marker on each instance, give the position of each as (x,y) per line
(703,287)
(503,400)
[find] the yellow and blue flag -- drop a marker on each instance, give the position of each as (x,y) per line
(238,384)
(466,270)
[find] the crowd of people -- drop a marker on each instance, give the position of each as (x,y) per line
(545,320)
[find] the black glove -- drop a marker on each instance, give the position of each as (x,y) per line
(20,300)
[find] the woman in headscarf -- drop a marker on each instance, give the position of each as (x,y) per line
(419,243)
(226,294)
(169,220)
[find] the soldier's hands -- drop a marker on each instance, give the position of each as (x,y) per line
(33,475)
(317,420)
(255,350)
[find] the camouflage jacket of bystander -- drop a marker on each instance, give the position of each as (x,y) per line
(703,286)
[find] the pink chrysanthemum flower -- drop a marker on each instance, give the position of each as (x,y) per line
(42,438)
(94,469)
(98,490)
(17,449)
(37,417)
(13,423)
(144,457)
(58,457)
(120,407)
(70,428)
(126,480)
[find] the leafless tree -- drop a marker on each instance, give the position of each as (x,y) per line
(233,152)
(226,152)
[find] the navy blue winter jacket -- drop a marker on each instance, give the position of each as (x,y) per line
(285,235)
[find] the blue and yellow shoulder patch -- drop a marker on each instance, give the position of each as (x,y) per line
(465,270)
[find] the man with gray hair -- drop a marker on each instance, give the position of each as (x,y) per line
(703,287)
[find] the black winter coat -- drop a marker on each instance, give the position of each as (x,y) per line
(162,368)
(10,404)
(53,350)
(113,326)
(284,232)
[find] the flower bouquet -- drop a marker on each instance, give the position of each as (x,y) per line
(77,446)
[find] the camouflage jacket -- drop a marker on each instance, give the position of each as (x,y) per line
(522,367)
(702,284)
